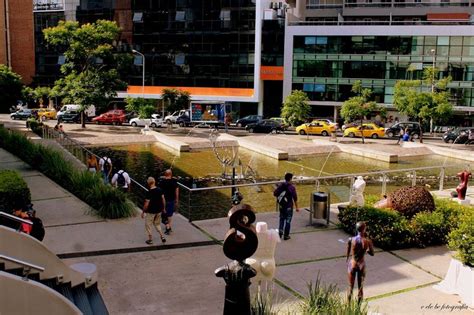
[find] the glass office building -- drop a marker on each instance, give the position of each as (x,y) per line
(329,44)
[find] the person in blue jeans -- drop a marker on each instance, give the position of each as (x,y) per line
(286,197)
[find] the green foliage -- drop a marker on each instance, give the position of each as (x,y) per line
(12,189)
(42,93)
(262,304)
(323,299)
(416,99)
(429,228)
(461,238)
(175,99)
(296,108)
(10,88)
(391,230)
(144,107)
(90,71)
(107,201)
(35,126)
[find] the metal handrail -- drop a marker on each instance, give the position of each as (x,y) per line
(317,178)
(21,262)
(14,218)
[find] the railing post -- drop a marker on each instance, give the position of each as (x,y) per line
(441,179)
(351,188)
(189,206)
(384,184)
(413,179)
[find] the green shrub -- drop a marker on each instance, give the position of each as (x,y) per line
(12,189)
(262,304)
(461,238)
(35,126)
(323,299)
(429,228)
(387,228)
(450,210)
(109,202)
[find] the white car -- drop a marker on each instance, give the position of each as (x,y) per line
(171,119)
(154,122)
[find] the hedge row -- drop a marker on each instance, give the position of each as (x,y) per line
(107,201)
(450,222)
(13,189)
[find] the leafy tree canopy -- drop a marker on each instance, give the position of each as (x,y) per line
(10,88)
(144,107)
(175,99)
(296,108)
(90,75)
(423,99)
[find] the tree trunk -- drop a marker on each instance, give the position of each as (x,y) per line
(362,130)
(421,131)
(83,119)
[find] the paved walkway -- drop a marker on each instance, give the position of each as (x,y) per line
(177,278)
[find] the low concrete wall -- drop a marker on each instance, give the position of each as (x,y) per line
(452,153)
(169,141)
(263,149)
(371,154)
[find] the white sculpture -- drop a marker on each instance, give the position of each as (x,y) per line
(263,261)
(357,196)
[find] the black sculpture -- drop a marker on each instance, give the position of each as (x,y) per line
(240,243)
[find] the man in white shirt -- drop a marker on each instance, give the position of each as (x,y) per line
(121,180)
(105,165)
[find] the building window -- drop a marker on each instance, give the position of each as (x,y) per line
(138,17)
(180,16)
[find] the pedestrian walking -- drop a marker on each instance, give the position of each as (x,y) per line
(400,135)
(357,247)
(152,208)
(92,164)
(286,197)
(105,165)
(169,185)
(121,180)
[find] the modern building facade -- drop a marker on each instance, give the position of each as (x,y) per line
(16,37)
(331,44)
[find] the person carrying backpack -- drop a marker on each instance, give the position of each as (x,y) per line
(121,180)
(286,197)
(105,164)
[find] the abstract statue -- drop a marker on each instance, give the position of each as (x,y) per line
(357,196)
(263,261)
(240,243)
(462,187)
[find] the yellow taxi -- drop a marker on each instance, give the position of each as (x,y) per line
(316,127)
(369,130)
(46,113)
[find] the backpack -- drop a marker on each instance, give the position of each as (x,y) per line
(120,179)
(37,230)
(107,165)
(284,198)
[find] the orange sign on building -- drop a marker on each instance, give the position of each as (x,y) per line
(270,73)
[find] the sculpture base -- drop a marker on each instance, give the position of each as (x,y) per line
(458,281)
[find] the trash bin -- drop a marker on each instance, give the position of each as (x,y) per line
(320,204)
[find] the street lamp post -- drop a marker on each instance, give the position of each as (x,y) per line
(433,53)
(143,64)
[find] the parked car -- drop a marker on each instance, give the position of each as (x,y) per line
(171,119)
(413,129)
(21,114)
(72,116)
(369,130)
(458,135)
(250,119)
(328,121)
(317,127)
(89,112)
(46,113)
(282,122)
(265,126)
(115,117)
(154,122)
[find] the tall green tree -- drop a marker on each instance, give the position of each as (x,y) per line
(144,107)
(360,107)
(424,99)
(91,62)
(175,99)
(10,88)
(296,108)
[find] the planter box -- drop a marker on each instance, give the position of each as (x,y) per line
(459,280)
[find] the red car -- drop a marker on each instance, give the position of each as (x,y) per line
(115,117)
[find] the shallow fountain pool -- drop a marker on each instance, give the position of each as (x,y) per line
(203,169)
